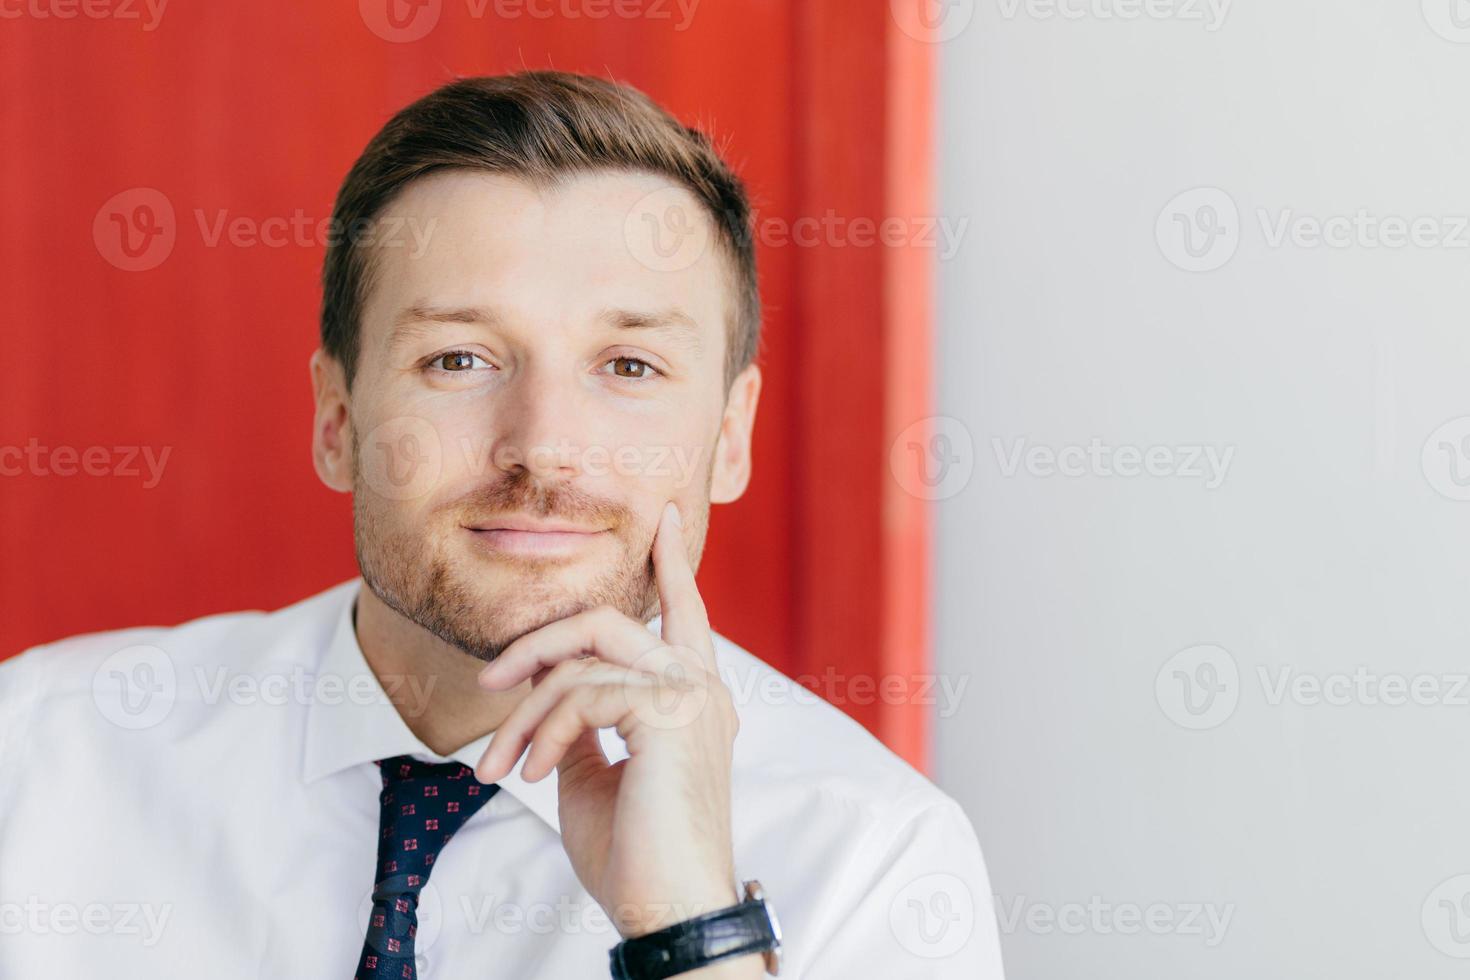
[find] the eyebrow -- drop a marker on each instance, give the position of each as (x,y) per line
(678,326)
(415,321)
(673,322)
(446,314)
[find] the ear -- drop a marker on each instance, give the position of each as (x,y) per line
(331,433)
(732,451)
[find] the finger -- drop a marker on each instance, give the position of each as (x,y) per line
(514,733)
(603,632)
(582,709)
(685,620)
(583,758)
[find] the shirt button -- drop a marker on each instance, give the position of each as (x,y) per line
(421,964)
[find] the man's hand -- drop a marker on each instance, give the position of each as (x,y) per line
(649,837)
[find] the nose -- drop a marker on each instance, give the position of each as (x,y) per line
(541,420)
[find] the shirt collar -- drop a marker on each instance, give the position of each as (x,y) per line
(360,725)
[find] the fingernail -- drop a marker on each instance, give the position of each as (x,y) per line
(674,515)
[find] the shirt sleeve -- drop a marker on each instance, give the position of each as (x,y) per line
(922,907)
(17,695)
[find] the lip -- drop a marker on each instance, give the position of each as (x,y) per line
(533,525)
(530,537)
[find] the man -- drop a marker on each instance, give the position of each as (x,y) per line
(513,753)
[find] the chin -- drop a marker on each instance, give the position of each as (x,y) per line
(482,608)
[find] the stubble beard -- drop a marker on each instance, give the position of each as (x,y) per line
(403,570)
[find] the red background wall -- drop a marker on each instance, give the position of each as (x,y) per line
(255,111)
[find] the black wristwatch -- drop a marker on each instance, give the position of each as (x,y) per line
(739,930)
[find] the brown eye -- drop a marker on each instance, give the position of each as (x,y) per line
(630,367)
(457,361)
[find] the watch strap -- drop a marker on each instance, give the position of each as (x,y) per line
(694,943)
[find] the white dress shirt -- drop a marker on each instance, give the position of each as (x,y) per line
(201,801)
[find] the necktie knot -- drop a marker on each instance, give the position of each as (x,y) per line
(423,805)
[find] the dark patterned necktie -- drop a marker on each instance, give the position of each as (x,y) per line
(423,805)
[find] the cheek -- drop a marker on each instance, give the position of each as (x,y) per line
(399,459)
(650,465)
(410,461)
(466,446)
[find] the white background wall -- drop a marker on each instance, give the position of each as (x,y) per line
(1097,770)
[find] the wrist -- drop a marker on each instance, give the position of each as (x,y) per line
(751,966)
(640,919)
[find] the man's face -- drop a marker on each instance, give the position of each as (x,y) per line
(535,381)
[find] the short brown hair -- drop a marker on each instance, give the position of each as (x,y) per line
(539,126)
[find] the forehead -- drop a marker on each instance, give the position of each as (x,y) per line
(548,255)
